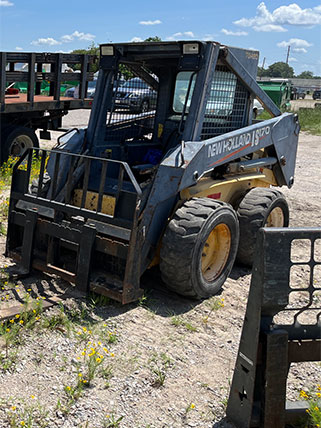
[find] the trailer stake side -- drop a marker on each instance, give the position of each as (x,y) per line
(32,87)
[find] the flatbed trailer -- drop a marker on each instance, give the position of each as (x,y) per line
(22,114)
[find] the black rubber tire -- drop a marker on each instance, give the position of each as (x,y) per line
(183,243)
(253,212)
(11,133)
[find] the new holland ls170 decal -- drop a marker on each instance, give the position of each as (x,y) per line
(233,145)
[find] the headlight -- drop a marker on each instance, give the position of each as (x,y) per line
(133,95)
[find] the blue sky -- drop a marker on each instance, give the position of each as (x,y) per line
(269,26)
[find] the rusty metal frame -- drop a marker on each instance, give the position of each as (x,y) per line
(267,348)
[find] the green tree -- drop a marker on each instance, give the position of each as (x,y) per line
(91,50)
(262,72)
(280,69)
(306,75)
(153,39)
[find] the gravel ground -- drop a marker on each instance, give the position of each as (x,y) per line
(188,346)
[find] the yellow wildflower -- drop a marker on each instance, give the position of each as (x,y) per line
(303,394)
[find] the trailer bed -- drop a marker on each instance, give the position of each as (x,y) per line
(19,102)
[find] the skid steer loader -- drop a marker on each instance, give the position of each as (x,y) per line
(171,171)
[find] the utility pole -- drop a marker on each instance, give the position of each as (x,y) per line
(287,55)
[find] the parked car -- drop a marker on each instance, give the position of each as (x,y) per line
(317,94)
(74,91)
(136,96)
(300,93)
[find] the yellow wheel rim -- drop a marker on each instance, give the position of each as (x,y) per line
(275,218)
(215,252)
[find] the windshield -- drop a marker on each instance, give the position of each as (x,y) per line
(181,87)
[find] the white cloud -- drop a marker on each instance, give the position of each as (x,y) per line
(136,39)
(294,15)
(156,22)
(283,15)
(302,50)
(48,41)
(6,3)
(181,35)
(63,51)
(76,35)
(234,33)
(67,38)
(298,43)
(18,48)
(292,59)
(270,28)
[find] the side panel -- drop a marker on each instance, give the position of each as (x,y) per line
(280,133)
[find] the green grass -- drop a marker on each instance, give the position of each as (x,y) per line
(310,120)
(5,183)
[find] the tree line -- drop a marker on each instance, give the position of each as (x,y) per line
(282,69)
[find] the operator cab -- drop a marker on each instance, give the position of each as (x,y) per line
(154,111)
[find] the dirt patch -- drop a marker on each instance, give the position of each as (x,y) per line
(172,359)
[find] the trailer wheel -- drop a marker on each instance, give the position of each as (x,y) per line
(260,207)
(199,247)
(18,140)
